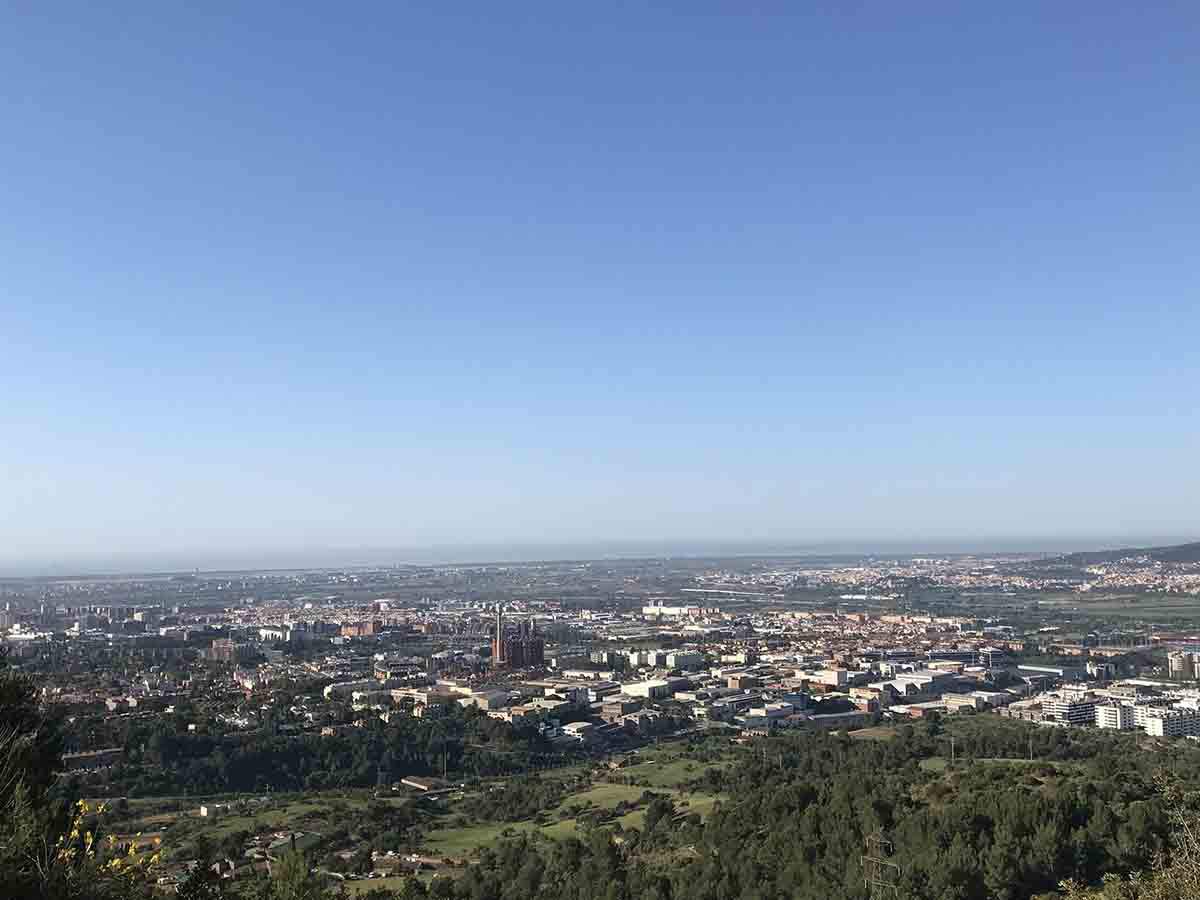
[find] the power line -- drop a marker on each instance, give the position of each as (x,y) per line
(880,874)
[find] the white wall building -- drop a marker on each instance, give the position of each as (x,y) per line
(1074,710)
(685,659)
(1114,715)
(1172,723)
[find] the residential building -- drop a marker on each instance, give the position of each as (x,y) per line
(1172,723)
(1118,716)
(1077,709)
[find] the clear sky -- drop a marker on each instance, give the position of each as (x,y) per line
(311,277)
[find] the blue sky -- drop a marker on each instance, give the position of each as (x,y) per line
(283,278)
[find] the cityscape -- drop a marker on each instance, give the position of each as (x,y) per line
(707,451)
(275,699)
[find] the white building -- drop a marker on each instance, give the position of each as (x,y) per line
(1172,723)
(772,710)
(994,698)
(834,677)
(1078,709)
(345,689)
(1114,715)
(658,608)
(928,680)
(580,731)
(685,659)
(656,688)
(651,658)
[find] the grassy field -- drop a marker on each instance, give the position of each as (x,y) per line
(321,813)
(316,812)
(460,842)
(465,841)
(604,796)
(878,733)
(390,883)
(669,768)
(291,815)
(666,774)
(697,803)
(663,769)
(1128,605)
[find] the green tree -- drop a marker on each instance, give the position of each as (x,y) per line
(292,878)
(202,883)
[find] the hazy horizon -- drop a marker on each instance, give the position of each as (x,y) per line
(480,554)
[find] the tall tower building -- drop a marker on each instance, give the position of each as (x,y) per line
(499,657)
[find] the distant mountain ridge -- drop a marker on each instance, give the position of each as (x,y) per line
(1179,553)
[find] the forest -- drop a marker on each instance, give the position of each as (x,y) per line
(1022,812)
(162,758)
(996,826)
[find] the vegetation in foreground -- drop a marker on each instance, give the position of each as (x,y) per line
(1094,815)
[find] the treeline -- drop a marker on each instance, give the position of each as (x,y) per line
(517,799)
(164,759)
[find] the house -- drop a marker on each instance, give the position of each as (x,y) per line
(422,784)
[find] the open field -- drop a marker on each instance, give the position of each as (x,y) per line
(462,842)
(457,843)
(668,767)
(603,796)
(317,813)
(291,815)
(389,882)
(444,833)
(1145,606)
(666,774)
(878,733)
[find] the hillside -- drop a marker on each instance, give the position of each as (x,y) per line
(1180,553)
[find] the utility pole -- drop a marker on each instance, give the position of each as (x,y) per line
(952,750)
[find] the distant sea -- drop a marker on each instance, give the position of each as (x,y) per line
(126,562)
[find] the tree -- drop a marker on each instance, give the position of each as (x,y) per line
(51,850)
(292,879)
(1178,879)
(32,744)
(202,884)
(412,889)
